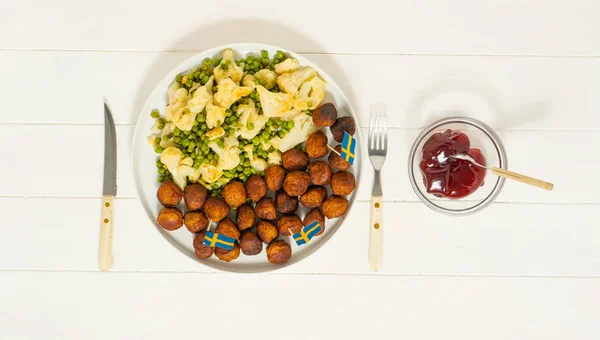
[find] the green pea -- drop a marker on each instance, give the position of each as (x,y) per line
(220,142)
(189,83)
(247,172)
(224,66)
(207,62)
(185,142)
(264,54)
(269,122)
(178,78)
(195,128)
(155,114)
(230,131)
(228,112)
(159,149)
(256,64)
(197,75)
(215,89)
(177,139)
(280,133)
(201,118)
(161,179)
(159,164)
(290,124)
(250,126)
(215,62)
(176,132)
(279,54)
(204,127)
(192,136)
(192,145)
(246,163)
(265,62)
(242,177)
(205,148)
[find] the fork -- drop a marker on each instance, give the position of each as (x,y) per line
(377,153)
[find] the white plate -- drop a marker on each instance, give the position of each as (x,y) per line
(144,160)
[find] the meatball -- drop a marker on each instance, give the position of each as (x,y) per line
(245,217)
(294,159)
(325,115)
(274,176)
(228,255)
(215,208)
(343,124)
(169,194)
(338,162)
(335,206)
(194,196)
(316,145)
(315,215)
(296,183)
(256,188)
(227,227)
(234,194)
(320,173)
(250,243)
(265,209)
(279,252)
(313,197)
(285,203)
(195,221)
(266,231)
(170,218)
(202,250)
(289,224)
(342,183)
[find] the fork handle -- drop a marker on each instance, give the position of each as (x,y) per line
(375,233)
(522,178)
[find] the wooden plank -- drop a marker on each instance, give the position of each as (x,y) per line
(163,306)
(407,27)
(505,92)
(537,240)
(71,156)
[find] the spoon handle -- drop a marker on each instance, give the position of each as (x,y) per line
(522,178)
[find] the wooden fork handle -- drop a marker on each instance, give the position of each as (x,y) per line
(375,233)
(522,178)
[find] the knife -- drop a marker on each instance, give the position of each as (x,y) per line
(105,256)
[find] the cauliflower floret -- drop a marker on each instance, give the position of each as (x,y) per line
(209,174)
(274,104)
(257,164)
(153,140)
(303,127)
(215,133)
(229,155)
(228,68)
(249,114)
(248,80)
(201,97)
(310,95)
(171,91)
(215,115)
(169,127)
(179,167)
(177,102)
(229,92)
(274,157)
(267,77)
(290,82)
(287,65)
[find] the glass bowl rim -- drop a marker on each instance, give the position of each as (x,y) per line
(500,150)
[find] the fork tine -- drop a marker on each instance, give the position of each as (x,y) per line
(371,128)
(383,131)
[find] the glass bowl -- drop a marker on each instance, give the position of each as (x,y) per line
(481,137)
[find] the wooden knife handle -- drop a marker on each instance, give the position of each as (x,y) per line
(522,178)
(105,255)
(376,233)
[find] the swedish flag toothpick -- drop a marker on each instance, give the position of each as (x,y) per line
(217,240)
(348,146)
(307,233)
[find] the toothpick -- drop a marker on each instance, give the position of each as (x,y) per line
(333,150)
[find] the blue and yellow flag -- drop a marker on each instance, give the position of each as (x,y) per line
(348,146)
(307,233)
(217,240)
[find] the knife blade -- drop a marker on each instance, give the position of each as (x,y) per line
(109,191)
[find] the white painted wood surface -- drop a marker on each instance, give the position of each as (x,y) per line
(528,267)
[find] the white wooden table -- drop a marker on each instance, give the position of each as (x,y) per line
(528,267)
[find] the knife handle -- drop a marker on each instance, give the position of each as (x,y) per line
(105,256)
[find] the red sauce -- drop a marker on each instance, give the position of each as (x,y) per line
(446,177)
